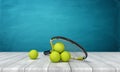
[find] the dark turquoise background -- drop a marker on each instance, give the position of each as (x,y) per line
(119,25)
(29,24)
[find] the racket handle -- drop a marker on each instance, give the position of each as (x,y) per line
(47,52)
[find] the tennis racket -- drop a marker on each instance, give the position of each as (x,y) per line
(71,46)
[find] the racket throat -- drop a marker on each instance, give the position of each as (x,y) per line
(77,58)
(52,46)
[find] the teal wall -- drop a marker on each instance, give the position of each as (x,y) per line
(29,24)
(0,27)
(119,26)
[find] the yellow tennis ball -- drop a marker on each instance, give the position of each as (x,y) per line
(33,54)
(65,56)
(55,56)
(59,47)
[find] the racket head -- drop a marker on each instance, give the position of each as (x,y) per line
(76,50)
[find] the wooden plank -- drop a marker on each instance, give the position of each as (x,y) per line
(12,58)
(40,65)
(59,67)
(98,65)
(96,62)
(3,54)
(113,55)
(110,59)
(79,66)
(8,56)
(19,65)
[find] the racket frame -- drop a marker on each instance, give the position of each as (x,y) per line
(66,39)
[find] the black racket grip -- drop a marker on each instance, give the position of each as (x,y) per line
(47,52)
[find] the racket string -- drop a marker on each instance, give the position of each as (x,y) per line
(71,46)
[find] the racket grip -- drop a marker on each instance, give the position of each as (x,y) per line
(47,52)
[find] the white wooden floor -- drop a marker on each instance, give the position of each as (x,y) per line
(96,62)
